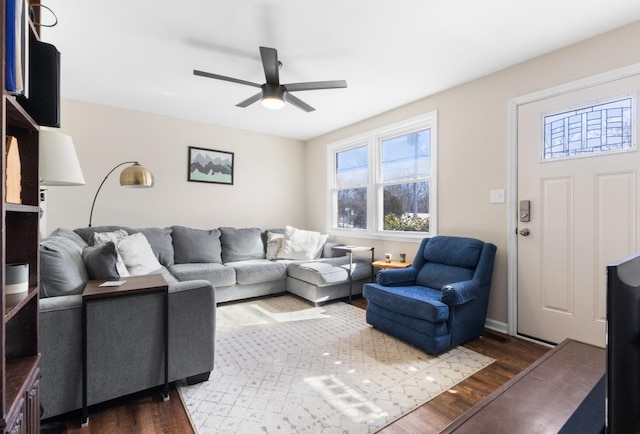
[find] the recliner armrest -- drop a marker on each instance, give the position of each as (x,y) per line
(460,292)
(397,277)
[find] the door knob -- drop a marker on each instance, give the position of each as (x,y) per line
(525,232)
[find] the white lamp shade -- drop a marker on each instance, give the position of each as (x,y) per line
(59,163)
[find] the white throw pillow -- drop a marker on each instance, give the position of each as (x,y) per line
(274,243)
(299,244)
(137,255)
(101,238)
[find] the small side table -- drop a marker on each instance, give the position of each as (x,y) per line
(350,250)
(132,285)
(393,264)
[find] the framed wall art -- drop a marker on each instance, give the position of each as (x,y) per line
(209,165)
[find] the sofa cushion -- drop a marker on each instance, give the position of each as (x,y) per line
(100,238)
(137,254)
(258,271)
(217,274)
(62,269)
(274,242)
(329,271)
(161,243)
(68,233)
(100,261)
(196,245)
(241,244)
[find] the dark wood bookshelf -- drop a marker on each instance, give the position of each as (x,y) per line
(19,366)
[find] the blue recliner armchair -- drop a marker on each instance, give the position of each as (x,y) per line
(440,301)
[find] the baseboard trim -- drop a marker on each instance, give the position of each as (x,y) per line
(496,326)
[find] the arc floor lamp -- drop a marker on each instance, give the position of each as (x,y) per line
(134,176)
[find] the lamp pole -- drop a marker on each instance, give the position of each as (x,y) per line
(102,183)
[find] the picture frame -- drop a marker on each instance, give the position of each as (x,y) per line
(210,165)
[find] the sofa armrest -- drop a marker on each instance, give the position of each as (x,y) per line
(328,252)
(460,292)
(397,277)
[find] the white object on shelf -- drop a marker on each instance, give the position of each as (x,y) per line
(17,278)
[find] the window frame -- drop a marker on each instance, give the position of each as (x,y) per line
(375,214)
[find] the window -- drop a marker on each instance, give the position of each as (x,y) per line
(382,182)
(605,127)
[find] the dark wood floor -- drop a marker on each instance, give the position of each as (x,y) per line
(148,414)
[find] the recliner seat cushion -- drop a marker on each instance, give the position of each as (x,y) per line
(419,325)
(413,301)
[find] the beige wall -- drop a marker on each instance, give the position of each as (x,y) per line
(268,190)
(281,181)
(473,145)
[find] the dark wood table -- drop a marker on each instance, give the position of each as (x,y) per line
(541,398)
(132,285)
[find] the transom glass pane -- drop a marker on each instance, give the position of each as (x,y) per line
(589,130)
(407,156)
(352,167)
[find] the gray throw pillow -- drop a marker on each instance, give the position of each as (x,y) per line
(87,233)
(196,245)
(100,261)
(161,244)
(62,269)
(241,244)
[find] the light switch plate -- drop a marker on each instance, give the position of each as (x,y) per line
(496,196)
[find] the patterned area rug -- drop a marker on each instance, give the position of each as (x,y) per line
(283,366)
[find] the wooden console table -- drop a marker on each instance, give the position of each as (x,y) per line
(541,398)
(132,285)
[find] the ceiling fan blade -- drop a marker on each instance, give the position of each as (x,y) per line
(298,103)
(247,102)
(225,78)
(270,65)
(314,85)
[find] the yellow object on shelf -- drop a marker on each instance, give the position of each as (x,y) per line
(13,180)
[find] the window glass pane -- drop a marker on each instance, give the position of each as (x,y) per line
(406,207)
(589,130)
(352,167)
(407,156)
(352,208)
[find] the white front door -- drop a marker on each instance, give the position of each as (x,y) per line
(584,212)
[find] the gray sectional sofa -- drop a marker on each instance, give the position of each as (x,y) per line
(202,267)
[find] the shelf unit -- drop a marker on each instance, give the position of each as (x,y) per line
(19,371)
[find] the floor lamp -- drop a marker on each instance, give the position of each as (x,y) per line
(133,176)
(58,166)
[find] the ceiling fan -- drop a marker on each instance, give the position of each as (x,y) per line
(273,94)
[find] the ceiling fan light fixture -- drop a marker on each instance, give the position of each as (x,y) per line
(273,96)
(273,103)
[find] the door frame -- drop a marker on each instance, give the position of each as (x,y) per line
(512,202)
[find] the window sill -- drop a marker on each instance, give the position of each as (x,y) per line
(406,237)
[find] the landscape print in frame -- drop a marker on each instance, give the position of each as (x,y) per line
(209,165)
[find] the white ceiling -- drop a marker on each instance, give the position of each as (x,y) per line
(141,54)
